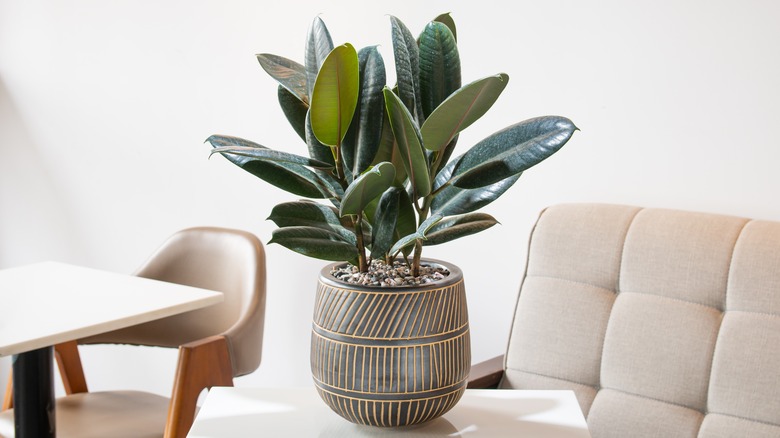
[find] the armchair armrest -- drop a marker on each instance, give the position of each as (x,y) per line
(487,374)
(202,364)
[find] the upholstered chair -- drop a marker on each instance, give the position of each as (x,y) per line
(215,344)
(664,323)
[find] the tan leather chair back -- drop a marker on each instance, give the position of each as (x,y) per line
(665,323)
(224,260)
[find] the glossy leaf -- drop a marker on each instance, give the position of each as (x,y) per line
(407,216)
(335,95)
(406,222)
(294,110)
(317,150)
(385,219)
(456,227)
(315,242)
(446,154)
(512,150)
(407,67)
(289,74)
(318,45)
(310,214)
(460,110)
(453,200)
(439,66)
(367,187)
(420,234)
(388,151)
(365,132)
(409,141)
(294,178)
(265,154)
(447,20)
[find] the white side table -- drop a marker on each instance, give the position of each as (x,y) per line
(299,412)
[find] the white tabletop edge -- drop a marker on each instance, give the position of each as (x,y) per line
(197,298)
(83,332)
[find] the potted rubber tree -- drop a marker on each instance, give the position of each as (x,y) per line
(390,339)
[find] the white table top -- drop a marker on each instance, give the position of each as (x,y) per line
(299,412)
(48,303)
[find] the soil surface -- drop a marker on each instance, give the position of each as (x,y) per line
(383,275)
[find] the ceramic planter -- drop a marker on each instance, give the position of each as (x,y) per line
(391,356)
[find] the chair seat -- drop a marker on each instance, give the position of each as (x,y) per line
(114,414)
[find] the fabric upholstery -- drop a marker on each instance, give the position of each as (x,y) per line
(665,323)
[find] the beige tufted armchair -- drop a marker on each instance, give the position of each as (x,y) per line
(664,323)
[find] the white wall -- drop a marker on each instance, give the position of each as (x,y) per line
(104,107)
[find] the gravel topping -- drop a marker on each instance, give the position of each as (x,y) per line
(380,274)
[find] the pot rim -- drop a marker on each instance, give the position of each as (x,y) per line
(456,275)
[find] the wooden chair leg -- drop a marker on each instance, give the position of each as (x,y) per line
(71,371)
(8,399)
(202,364)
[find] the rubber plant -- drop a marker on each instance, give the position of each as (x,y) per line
(380,155)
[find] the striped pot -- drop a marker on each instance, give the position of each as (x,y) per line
(391,356)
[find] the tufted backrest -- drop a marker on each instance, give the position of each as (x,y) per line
(665,323)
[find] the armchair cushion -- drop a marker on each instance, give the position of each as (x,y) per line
(664,322)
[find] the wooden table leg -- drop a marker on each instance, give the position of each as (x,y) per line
(34,394)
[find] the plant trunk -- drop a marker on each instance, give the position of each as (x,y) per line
(361,247)
(416,259)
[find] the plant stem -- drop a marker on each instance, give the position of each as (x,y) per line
(416,258)
(336,151)
(361,247)
(439,155)
(418,246)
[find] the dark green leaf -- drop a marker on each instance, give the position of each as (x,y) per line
(409,142)
(449,22)
(364,135)
(385,220)
(447,153)
(388,151)
(407,67)
(289,74)
(293,178)
(315,242)
(460,110)
(407,217)
(420,234)
(310,214)
(317,150)
(294,110)
(455,227)
(427,224)
(265,154)
(405,242)
(335,95)
(439,66)
(512,150)
(318,45)
(453,200)
(367,187)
